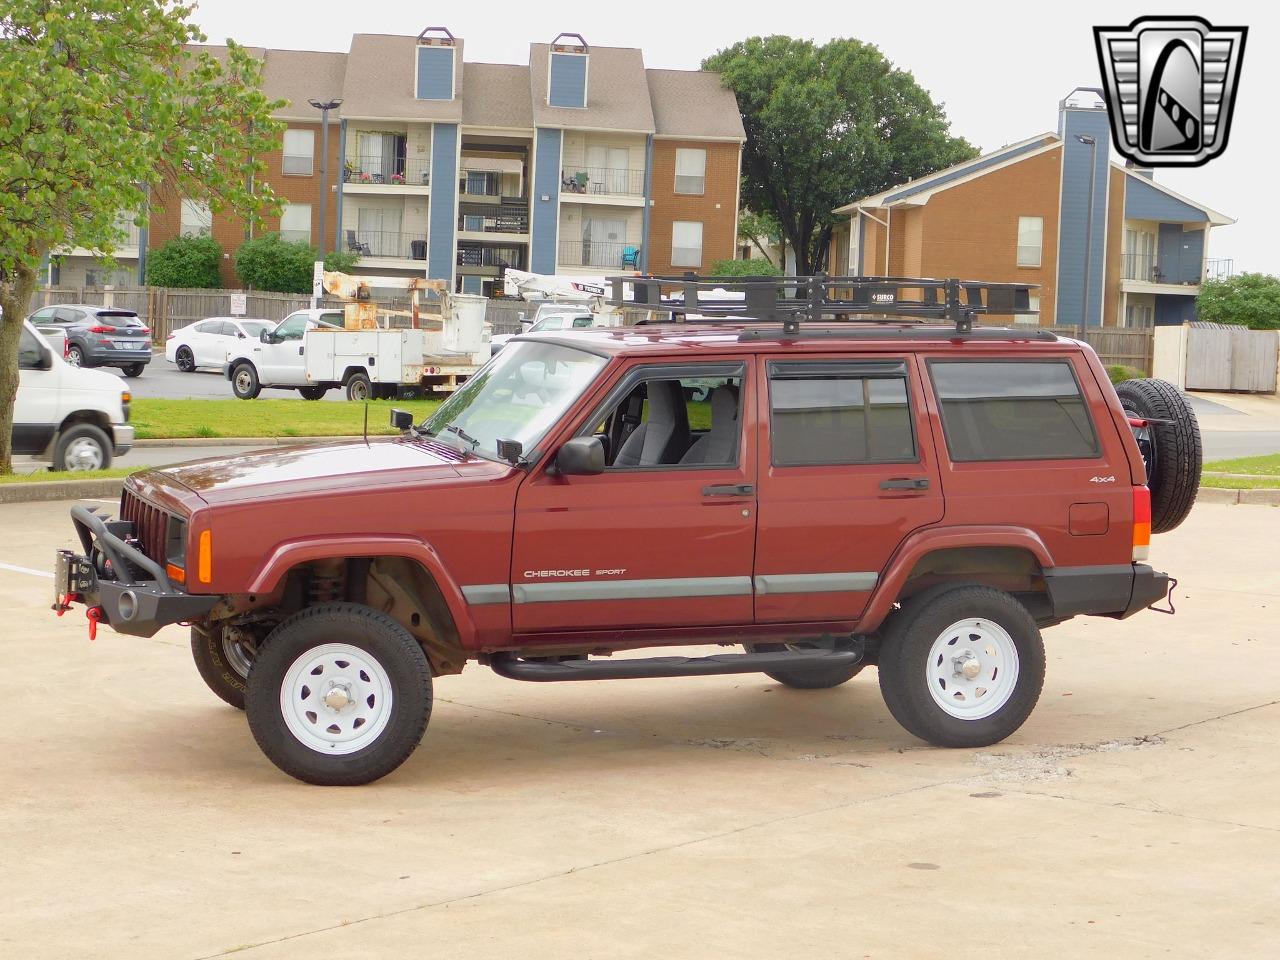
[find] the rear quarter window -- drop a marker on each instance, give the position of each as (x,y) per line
(1013,410)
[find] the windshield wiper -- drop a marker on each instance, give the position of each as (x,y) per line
(463,435)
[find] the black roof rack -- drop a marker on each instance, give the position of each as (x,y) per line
(791,300)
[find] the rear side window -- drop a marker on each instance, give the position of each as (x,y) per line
(1013,410)
(840,413)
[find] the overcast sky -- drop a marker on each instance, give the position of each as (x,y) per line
(1000,68)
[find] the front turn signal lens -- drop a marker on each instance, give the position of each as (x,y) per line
(175,573)
(204,565)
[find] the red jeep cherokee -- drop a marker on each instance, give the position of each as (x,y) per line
(923,497)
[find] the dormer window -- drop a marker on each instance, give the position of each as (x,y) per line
(567,75)
(433,77)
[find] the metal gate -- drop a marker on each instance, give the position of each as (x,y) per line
(1231,358)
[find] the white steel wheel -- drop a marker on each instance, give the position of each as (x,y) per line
(972,668)
(336,699)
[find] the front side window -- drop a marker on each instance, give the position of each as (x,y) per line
(839,413)
(292,328)
(295,222)
(1013,410)
(44,316)
(686,243)
(299,152)
(197,219)
(31,354)
(1030,241)
(520,395)
(691,171)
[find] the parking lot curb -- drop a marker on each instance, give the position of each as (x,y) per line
(239,441)
(1269,498)
(60,490)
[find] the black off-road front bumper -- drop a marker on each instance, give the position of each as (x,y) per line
(130,591)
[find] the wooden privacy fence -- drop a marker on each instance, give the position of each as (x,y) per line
(1130,346)
(1222,357)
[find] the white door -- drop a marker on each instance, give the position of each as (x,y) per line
(282,364)
(208,349)
(35,412)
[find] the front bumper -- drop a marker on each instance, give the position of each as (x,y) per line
(123,434)
(1118,591)
(131,590)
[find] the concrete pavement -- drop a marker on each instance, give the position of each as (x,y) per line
(1133,816)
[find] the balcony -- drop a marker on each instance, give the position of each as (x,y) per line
(379,243)
(488,261)
(1219,269)
(510,218)
(599,254)
(380,173)
(126,246)
(1170,271)
(607,184)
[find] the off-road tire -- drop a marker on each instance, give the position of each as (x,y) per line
(244,381)
(185,360)
(220,674)
(359,388)
(813,678)
(1179,455)
(134,370)
(907,640)
(81,433)
(313,393)
(373,634)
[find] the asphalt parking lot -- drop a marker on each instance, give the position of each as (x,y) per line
(1134,815)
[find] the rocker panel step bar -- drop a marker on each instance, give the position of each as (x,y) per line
(544,671)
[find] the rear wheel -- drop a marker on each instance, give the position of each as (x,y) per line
(359,387)
(244,381)
(812,678)
(82,446)
(134,369)
(961,666)
(339,695)
(1171,450)
(223,658)
(75,356)
(185,360)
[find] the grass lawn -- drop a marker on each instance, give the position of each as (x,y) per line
(44,476)
(1268,466)
(1241,483)
(168,419)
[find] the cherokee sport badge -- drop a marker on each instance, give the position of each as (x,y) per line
(1171,85)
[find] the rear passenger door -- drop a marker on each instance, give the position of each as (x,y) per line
(848,470)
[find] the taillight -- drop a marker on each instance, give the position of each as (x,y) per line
(170,336)
(1141,523)
(144,330)
(102,329)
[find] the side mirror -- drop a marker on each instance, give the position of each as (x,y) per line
(581,456)
(240,335)
(265,337)
(401,419)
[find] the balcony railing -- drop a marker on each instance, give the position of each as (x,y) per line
(1219,268)
(602,181)
(1173,269)
(380,243)
(599,253)
(507,218)
(474,255)
(389,170)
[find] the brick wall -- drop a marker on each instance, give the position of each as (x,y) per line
(166,212)
(716,208)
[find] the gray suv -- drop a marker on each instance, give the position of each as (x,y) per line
(99,336)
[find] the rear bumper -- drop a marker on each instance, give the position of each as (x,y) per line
(101,356)
(132,590)
(1119,591)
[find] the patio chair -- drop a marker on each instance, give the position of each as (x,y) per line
(355,246)
(631,258)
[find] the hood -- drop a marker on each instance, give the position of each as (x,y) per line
(315,468)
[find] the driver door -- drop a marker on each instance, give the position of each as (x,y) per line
(282,364)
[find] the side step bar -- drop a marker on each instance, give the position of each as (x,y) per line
(539,670)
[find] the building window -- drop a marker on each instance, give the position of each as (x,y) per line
(691,171)
(1030,240)
(1138,314)
(686,243)
(1031,318)
(197,219)
(299,152)
(295,222)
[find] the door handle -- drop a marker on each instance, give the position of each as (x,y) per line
(728,490)
(905,483)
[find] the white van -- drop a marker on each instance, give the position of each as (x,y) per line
(76,417)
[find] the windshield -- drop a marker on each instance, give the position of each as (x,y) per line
(518,396)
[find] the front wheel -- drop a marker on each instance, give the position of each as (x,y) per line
(81,447)
(244,382)
(339,695)
(961,666)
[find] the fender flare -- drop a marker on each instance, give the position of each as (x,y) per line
(923,542)
(232,364)
(293,552)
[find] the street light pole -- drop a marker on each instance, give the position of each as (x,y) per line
(1088,228)
(324,108)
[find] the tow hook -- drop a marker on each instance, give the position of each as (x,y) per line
(63,603)
(94,615)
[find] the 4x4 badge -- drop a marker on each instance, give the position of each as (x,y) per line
(1110,479)
(1171,86)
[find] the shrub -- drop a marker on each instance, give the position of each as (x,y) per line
(1118,372)
(269,262)
(743,268)
(192,262)
(1248,300)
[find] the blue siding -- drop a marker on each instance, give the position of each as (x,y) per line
(1074,219)
(1144,202)
(435,73)
(568,80)
(546,201)
(441,213)
(1179,254)
(648,194)
(929,183)
(1173,310)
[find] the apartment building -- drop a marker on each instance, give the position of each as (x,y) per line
(1106,243)
(580,161)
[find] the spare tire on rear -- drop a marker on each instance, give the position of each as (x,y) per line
(1170,449)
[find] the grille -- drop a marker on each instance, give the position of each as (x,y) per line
(150,524)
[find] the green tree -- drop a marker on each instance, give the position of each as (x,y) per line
(1249,300)
(101,100)
(186,262)
(754,227)
(827,124)
(270,262)
(744,268)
